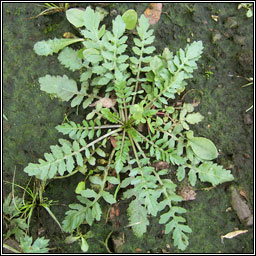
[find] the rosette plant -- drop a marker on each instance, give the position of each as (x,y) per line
(124,94)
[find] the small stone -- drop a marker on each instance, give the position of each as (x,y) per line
(228,209)
(249,221)
(241,207)
(245,59)
(113,13)
(230,22)
(216,36)
(228,33)
(13,244)
(141,127)
(6,126)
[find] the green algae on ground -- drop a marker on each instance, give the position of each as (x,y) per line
(32,116)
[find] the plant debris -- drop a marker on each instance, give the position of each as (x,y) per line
(161,165)
(187,193)
(153,14)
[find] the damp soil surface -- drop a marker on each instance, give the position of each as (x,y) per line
(227,60)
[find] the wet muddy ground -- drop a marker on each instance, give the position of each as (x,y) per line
(226,63)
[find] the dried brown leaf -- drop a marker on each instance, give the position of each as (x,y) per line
(153,14)
(187,193)
(69,35)
(161,165)
(243,193)
(113,141)
(106,102)
(233,234)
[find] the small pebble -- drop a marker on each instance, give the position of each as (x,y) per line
(247,155)
(248,119)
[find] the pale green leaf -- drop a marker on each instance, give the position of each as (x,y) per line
(91,160)
(77,100)
(62,87)
(156,64)
(137,217)
(95,180)
(79,159)
(109,198)
(84,245)
(96,211)
(194,118)
(136,50)
(118,27)
(192,177)
(51,46)
(113,180)
(180,173)
(70,164)
(165,217)
(100,152)
(71,239)
(149,50)
(180,239)
(194,50)
(91,19)
(109,115)
(88,216)
(76,17)
(213,173)
(143,26)
(88,193)
(39,245)
(203,148)
(69,58)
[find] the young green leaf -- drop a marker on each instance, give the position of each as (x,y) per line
(80,187)
(130,18)
(84,245)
